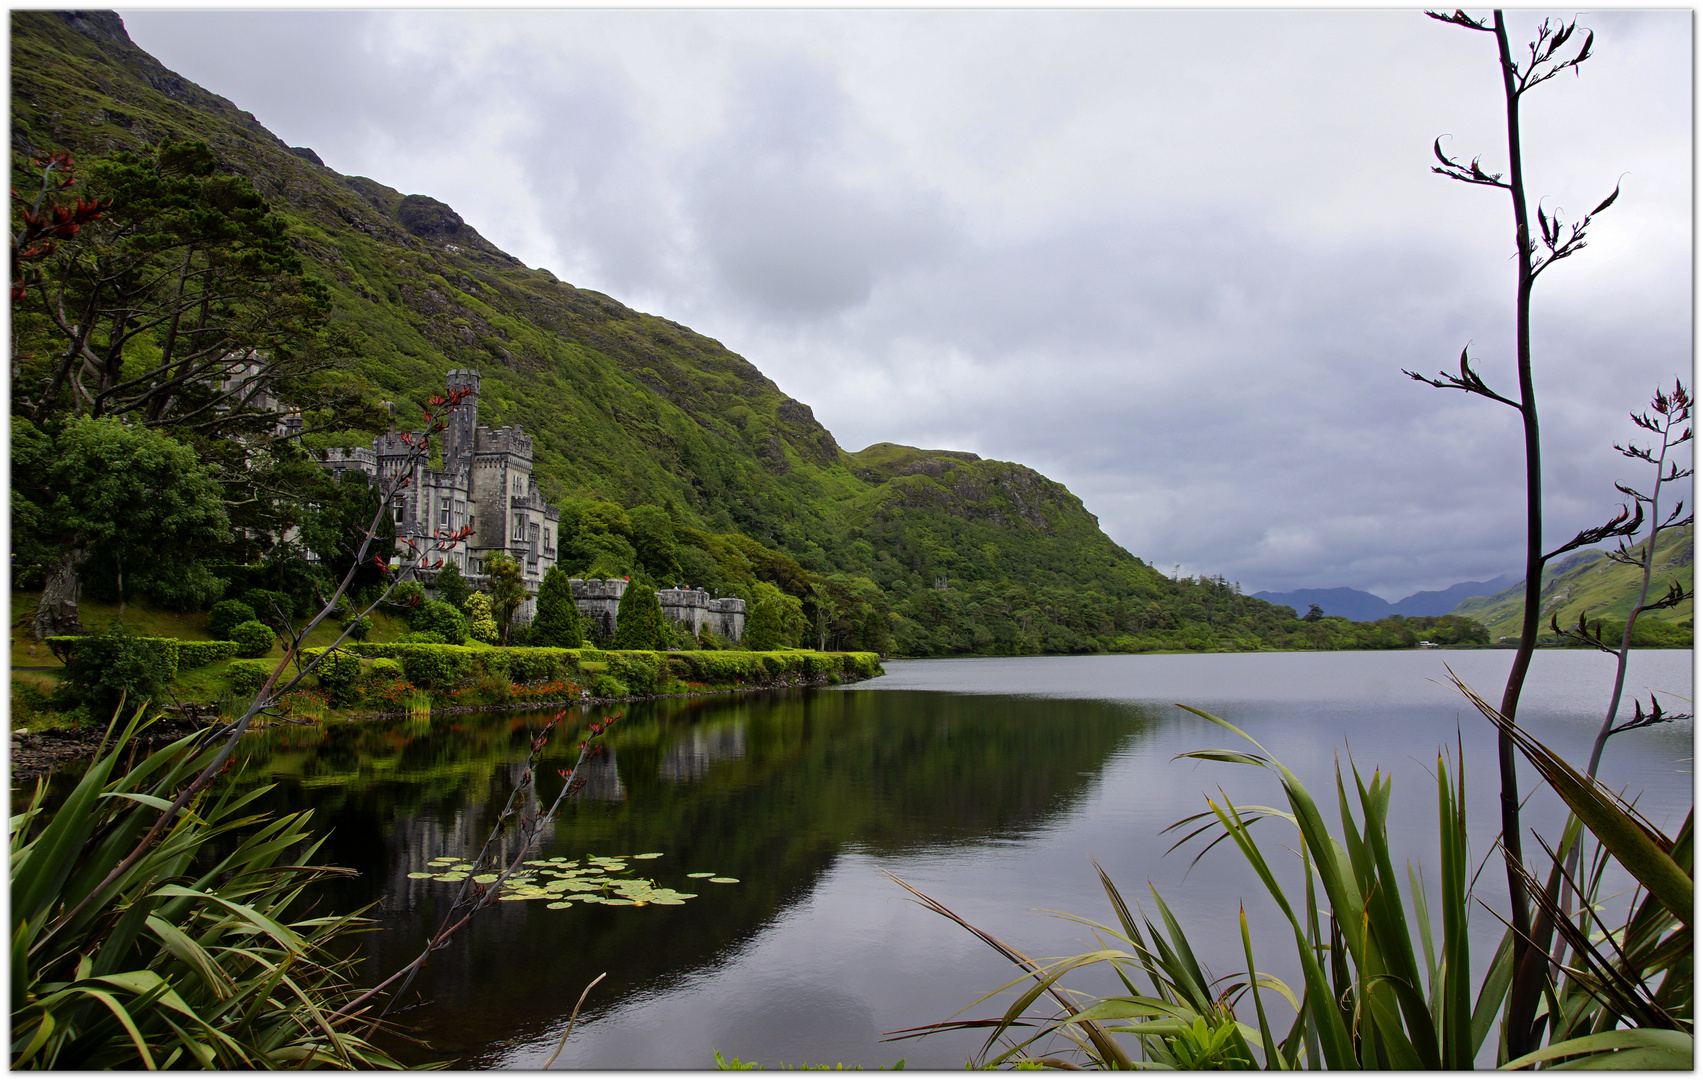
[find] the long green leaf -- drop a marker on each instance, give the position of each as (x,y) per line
(1643,852)
(1617,1050)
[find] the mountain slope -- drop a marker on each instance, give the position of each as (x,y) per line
(1591,584)
(634,410)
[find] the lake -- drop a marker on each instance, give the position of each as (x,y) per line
(987,783)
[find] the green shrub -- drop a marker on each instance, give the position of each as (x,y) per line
(422,637)
(248,676)
(437,617)
(608,686)
(253,638)
(226,616)
(452,588)
(557,623)
(27,702)
(638,620)
(481,624)
(435,667)
(382,670)
(638,670)
(492,689)
(591,656)
(408,595)
(359,629)
(532,665)
(338,673)
(62,645)
(103,669)
(497,662)
(194,654)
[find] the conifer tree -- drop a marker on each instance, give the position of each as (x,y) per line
(557,623)
(763,631)
(638,620)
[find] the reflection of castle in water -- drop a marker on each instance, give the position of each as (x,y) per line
(691,755)
(602,779)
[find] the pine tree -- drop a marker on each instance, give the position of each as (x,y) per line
(638,620)
(557,623)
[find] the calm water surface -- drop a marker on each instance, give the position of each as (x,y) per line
(987,783)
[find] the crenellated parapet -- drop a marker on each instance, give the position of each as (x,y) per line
(695,609)
(340,459)
(598,601)
(510,440)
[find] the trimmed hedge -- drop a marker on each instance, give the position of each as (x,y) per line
(337,674)
(636,671)
(194,654)
(254,639)
(166,650)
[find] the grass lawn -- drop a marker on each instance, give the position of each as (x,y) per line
(34,677)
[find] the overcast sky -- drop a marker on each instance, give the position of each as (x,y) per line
(1175,260)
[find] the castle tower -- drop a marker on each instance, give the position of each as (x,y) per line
(463,419)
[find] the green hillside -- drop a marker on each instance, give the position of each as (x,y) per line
(1596,586)
(668,453)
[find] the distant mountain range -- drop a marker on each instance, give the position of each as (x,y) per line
(1360,606)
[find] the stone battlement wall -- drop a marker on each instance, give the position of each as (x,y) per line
(598,601)
(695,609)
(504,440)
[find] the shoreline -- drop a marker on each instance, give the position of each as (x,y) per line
(34,754)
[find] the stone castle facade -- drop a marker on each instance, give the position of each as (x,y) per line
(486,482)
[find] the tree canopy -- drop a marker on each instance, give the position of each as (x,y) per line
(122,501)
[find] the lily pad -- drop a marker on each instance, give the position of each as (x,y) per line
(649,855)
(724,881)
(710,873)
(669,901)
(462,866)
(560,904)
(418,874)
(484,879)
(449,877)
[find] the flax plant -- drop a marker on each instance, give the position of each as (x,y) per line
(182,958)
(1370,998)
(1386,977)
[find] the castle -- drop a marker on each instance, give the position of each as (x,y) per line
(486,482)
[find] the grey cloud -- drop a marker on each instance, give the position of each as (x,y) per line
(780,203)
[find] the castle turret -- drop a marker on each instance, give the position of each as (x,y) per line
(458,437)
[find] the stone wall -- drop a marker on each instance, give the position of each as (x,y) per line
(598,601)
(695,609)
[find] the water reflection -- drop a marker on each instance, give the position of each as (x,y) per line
(692,752)
(770,789)
(989,784)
